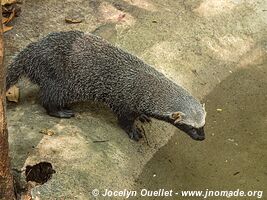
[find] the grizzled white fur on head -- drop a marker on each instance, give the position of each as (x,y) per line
(195,116)
(74,67)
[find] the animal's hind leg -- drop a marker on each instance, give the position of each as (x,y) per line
(54,103)
(128,124)
(60,112)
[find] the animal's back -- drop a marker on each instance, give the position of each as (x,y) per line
(79,67)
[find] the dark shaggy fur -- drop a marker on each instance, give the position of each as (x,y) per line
(74,67)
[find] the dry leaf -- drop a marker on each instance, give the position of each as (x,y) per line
(47,132)
(4,20)
(7,28)
(121,17)
(10,11)
(74,17)
(73,21)
(26,197)
(13,94)
(4,2)
(11,16)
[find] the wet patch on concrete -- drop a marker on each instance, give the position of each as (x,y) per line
(39,173)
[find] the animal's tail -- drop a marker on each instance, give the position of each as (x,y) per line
(14,72)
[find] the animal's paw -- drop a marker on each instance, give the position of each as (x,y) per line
(66,113)
(144,119)
(135,133)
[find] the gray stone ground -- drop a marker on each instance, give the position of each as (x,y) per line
(197,44)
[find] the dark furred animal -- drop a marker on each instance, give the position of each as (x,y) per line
(74,67)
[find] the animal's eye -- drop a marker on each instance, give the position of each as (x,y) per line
(191,128)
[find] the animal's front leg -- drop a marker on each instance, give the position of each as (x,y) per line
(144,118)
(127,123)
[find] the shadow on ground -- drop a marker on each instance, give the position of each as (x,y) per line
(233,155)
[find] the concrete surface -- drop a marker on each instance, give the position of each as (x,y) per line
(215,49)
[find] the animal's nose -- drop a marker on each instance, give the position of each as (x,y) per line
(200,134)
(200,137)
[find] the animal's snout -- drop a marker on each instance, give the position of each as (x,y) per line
(194,133)
(198,134)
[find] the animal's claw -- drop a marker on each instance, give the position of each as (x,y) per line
(144,119)
(135,133)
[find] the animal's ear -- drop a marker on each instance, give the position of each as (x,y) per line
(177,117)
(203,106)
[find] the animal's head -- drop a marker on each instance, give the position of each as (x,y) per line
(190,121)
